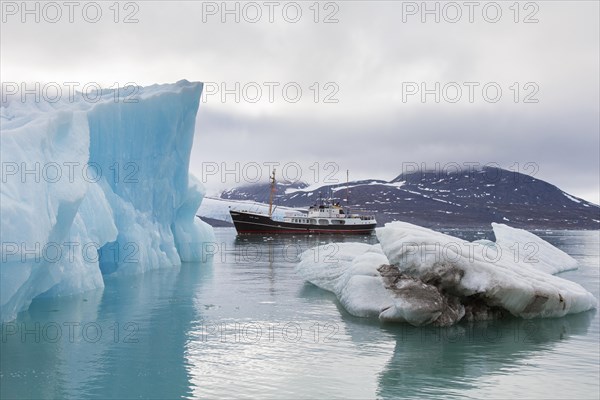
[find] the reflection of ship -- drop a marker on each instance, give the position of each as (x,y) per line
(320,218)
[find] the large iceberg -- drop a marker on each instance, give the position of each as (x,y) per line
(93,185)
(422,277)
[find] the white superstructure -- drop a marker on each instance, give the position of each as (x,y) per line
(329,215)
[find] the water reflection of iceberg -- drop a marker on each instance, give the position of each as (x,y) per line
(429,361)
(144,359)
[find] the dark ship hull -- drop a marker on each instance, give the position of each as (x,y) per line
(248,223)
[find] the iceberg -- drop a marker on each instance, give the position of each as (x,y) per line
(422,277)
(95,187)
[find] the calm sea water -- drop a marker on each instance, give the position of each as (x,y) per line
(243,324)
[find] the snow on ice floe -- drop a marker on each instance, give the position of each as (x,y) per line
(137,203)
(351,274)
(532,250)
(420,276)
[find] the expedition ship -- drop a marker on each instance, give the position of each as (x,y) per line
(320,218)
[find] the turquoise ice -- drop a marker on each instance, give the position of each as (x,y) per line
(95,185)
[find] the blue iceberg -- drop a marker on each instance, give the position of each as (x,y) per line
(96,187)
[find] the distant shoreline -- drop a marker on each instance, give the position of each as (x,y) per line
(217,223)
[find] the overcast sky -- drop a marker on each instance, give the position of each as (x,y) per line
(372,62)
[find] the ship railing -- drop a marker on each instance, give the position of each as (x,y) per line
(362,217)
(296,214)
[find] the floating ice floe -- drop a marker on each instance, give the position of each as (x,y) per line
(420,276)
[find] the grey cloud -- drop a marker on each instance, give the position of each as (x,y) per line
(369,53)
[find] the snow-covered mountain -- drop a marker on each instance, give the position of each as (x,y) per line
(454,199)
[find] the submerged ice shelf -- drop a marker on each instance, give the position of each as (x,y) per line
(108,190)
(422,277)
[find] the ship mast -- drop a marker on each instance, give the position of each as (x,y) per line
(272,193)
(347,185)
(348,190)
